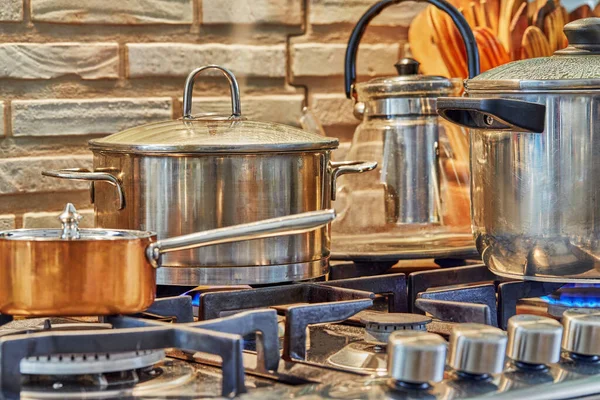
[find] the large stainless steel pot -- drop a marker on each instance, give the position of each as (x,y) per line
(535,161)
(209,171)
(72,271)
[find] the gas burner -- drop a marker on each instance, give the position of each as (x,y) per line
(369,355)
(362,357)
(573,295)
(379,326)
(90,363)
(159,378)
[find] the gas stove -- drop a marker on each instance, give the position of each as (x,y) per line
(449,333)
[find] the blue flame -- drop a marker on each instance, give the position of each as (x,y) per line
(195,298)
(573,298)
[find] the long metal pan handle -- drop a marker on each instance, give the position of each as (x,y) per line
(282,226)
(79,174)
(493,114)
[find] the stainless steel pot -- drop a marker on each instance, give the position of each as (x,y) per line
(212,171)
(535,161)
(72,271)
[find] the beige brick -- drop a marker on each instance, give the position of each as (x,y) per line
(47,61)
(50,219)
(325,12)
(178,59)
(7,221)
(126,12)
(340,153)
(326,59)
(333,109)
(1,119)
(11,10)
(285,109)
(85,116)
(24,175)
(281,12)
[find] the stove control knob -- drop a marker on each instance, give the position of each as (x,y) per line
(416,357)
(533,339)
(582,331)
(477,349)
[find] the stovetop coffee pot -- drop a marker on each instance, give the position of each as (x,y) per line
(414,197)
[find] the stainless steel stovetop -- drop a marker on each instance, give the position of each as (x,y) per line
(321,340)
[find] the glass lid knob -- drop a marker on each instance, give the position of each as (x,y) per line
(407,66)
(70,222)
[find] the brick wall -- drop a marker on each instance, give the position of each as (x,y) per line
(75,70)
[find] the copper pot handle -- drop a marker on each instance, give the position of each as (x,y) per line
(236,108)
(339,168)
(281,226)
(79,174)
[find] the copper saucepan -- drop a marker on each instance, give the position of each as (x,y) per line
(84,272)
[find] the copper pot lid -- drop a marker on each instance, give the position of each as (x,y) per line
(212,133)
(576,67)
(70,231)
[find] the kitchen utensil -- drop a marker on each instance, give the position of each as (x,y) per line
(483,15)
(72,271)
(534,44)
(541,13)
(449,43)
(512,7)
(492,10)
(535,166)
(422,46)
(402,203)
(209,171)
(491,51)
(583,11)
(518,26)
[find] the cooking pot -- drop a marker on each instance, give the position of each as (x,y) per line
(72,271)
(535,161)
(211,171)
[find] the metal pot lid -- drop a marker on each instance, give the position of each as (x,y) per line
(408,83)
(573,68)
(213,133)
(70,231)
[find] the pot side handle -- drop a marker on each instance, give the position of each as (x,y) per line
(79,174)
(493,114)
(339,168)
(282,226)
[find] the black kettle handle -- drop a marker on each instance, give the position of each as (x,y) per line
(358,31)
(495,114)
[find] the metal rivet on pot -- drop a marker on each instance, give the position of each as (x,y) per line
(489,120)
(359,110)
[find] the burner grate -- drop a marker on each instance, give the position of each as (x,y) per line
(306,304)
(490,299)
(146,338)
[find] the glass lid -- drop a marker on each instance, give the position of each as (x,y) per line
(70,231)
(408,83)
(576,67)
(213,133)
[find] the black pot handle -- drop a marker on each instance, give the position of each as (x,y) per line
(358,31)
(493,114)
